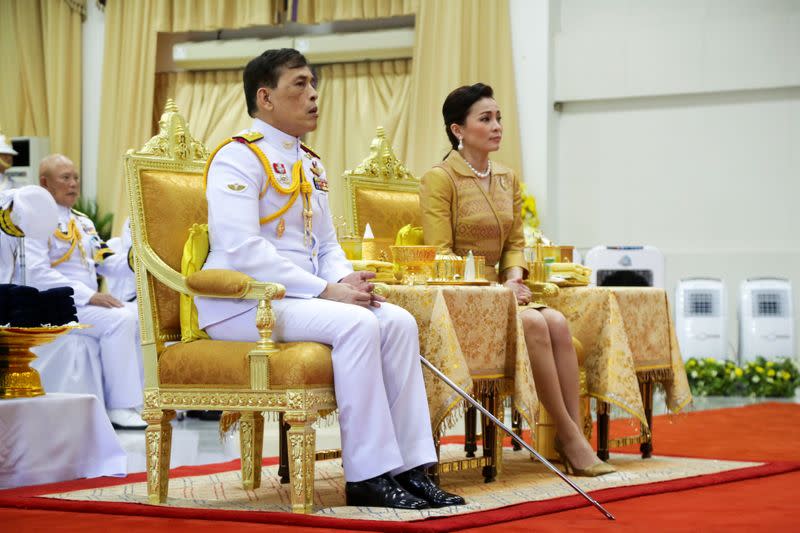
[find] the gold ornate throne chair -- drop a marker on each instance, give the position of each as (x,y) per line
(382,192)
(166,197)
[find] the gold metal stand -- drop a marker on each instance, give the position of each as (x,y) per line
(17,378)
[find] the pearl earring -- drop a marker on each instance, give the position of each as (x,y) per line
(460,144)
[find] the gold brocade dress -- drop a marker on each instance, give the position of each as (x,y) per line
(459,215)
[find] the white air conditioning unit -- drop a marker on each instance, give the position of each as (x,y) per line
(631,266)
(700,318)
(25,166)
(766,319)
(318,49)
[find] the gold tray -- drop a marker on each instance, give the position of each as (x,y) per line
(477,282)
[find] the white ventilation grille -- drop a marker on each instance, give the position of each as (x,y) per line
(769,304)
(702,303)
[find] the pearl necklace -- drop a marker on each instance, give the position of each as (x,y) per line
(483,174)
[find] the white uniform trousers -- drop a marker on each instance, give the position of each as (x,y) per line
(116,329)
(383,409)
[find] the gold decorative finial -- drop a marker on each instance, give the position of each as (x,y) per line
(170,106)
(173,138)
(381,161)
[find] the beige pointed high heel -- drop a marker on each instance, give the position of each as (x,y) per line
(597,469)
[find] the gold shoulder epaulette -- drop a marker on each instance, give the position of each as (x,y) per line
(309,151)
(76,212)
(248,137)
(7,226)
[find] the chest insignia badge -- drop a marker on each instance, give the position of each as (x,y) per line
(237,187)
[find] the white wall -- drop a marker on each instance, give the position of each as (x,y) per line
(680,128)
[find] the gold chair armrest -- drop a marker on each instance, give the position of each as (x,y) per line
(219,283)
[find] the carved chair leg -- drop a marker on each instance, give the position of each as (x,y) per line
(470,431)
(283,450)
(251,439)
(516,425)
(602,430)
(646,447)
(158,438)
(302,454)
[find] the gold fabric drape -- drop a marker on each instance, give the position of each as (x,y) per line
(41,87)
(131,34)
(316,11)
(213,101)
(355,98)
(459,43)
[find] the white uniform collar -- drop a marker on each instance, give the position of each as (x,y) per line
(286,144)
(64,212)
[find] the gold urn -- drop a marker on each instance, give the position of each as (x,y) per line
(17,378)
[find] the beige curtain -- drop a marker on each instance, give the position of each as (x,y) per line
(316,11)
(41,87)
(459,42)
(212,102)
(354,99)
(131,31)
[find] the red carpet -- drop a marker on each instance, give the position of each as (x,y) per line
(741,499)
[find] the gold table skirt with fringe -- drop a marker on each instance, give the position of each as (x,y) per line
(628,337)
(474,335)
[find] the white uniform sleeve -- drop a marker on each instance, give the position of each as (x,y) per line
(42,276)
(115,265)
(333,264)
(234,227)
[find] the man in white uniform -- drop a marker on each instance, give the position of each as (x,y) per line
(122,283)
(73,256)
(268,217)
(7,154)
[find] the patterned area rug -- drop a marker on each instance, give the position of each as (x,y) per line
(521,481)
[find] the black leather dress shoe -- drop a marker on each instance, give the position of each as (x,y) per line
(417,482)
(381,491)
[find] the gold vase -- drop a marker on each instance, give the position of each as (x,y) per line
(17,378)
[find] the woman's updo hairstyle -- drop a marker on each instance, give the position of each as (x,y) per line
(456,106)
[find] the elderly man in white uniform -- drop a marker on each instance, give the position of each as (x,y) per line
(73,256)
(268,217)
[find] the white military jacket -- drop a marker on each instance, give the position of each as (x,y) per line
(9,240)
(51,264)
(273,251)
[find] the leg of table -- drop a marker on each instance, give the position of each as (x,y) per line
(646,447)
(433,470)
(602,430)
(516,425)
(470,431)
(489,434)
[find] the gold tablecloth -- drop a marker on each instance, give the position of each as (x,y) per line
(628,336)
(473,335)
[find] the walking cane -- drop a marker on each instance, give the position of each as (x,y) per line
(438,373)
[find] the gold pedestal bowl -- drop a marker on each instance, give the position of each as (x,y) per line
(17,378)
(414,264)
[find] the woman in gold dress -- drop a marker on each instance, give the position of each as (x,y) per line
(471,203)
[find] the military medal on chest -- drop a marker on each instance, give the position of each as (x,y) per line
(281,174)
(320,181)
